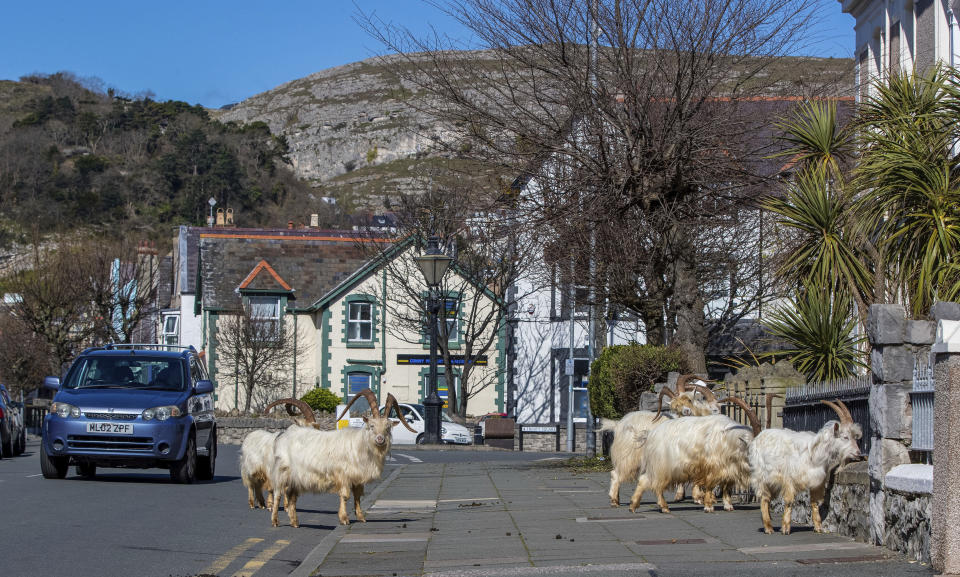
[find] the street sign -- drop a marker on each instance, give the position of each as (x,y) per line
(568,367)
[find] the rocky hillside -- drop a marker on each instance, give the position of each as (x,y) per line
(354,132)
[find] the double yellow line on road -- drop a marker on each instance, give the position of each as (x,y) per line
(253,565)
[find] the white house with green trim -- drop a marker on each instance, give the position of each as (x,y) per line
(370,333)
(357,318)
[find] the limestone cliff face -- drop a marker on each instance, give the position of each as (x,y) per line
(348,124)
(355,133)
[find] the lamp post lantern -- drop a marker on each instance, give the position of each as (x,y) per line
(433,264)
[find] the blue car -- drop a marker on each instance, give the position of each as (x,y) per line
(136,406)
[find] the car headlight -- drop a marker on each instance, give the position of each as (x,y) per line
(161,413)
(443,430)
(64,410)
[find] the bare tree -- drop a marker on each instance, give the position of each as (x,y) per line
(649,143)
(257,353)
(22,355)
(490,254)
(123,279)
(52,301)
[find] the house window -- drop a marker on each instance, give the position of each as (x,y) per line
(448,319)
(265,314)
(356,382)
(171,330)
(360,323)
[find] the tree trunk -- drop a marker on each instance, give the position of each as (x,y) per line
(691,332)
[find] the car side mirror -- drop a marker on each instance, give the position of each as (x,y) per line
(52,383)
(203,387)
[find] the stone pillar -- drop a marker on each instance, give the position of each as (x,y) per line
(945,538)
(895,342)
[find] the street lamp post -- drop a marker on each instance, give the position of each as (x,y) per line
(433,264)
(212,202)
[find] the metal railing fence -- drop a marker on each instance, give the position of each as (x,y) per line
(921,400)
(804,411)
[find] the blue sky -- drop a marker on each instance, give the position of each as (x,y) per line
(213,52)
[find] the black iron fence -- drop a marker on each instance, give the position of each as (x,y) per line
(804,411)
(33,419)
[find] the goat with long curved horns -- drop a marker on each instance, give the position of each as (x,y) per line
(785,463)
(341,462)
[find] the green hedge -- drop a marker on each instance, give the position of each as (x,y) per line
(321,400)
(623,372)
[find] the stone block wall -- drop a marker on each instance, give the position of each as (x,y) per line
(232,430)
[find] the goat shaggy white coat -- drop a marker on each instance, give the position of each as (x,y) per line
(709,451)
(786,463)
(256,459)
(310,461)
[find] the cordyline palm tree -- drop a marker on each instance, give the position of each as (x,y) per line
(909,176)
(825,252)
(821,332)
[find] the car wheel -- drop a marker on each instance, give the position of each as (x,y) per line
(20,445)
(53,467)
(87,470)
(23,442)
(184,471)
(8,447)
(207,466)
(420,439)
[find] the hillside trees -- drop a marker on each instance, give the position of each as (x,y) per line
(72,156)
(643,153)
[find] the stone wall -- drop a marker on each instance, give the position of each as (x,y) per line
(232,430)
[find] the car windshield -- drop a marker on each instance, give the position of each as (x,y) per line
(127,372)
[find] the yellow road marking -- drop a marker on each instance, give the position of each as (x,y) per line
(227,558)
(260,560)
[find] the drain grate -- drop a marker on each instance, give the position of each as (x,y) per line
(672,542)
(831,560)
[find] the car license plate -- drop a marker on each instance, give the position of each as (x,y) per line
(110,428)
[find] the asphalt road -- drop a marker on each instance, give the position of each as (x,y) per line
(137,523)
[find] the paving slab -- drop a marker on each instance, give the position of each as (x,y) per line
(520,519)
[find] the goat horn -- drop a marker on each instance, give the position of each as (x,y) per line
(305,409)
(371,400)
(707,393)
(770,397)
(664,391)
(751,416)
(392,404)
(845,410)
(682,382)
(840,410)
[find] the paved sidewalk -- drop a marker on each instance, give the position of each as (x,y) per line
(519,519)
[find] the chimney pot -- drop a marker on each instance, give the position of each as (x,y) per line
(289,225)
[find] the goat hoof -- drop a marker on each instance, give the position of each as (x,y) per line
(664,509)
(728,507)
(785,530)
(768,531)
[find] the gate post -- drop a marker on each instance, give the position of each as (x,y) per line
(891,361)
(945,543)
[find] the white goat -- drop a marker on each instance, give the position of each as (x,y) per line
(256,455)
(786,462)
(708,451)
(342,462)
(626,451)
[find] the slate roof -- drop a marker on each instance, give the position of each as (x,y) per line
(305,263)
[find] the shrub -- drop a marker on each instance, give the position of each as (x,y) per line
(622,373)
(321,400)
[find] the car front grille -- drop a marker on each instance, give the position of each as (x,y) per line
(118,443)
(112,416)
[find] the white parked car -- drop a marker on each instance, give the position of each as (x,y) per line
(450,432)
